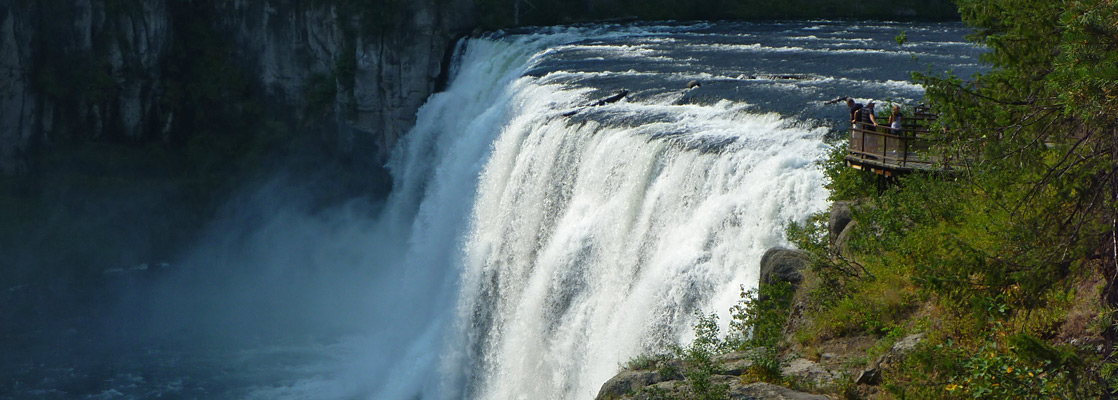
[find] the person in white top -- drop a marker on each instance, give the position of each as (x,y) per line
(895,119)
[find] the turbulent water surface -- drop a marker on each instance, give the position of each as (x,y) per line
(535,239)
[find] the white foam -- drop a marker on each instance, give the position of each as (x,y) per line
(547,250)
(588,243)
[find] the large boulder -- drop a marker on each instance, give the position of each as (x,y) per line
(629,382)
(842,242)
(808,371)
(783,265)
(840,218)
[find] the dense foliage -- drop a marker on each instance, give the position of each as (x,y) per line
(1007,263)
(1035,141)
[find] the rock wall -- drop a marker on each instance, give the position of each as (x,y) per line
(78,69)
(382,74)
(18,108)
(74,70)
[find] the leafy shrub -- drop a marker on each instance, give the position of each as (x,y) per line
(843,182)
(758,326)
(646,362)
(1027,368)
(698,359)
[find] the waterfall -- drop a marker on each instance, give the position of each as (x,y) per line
(577,237)
(536,237)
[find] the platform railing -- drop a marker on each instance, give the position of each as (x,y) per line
(887,150)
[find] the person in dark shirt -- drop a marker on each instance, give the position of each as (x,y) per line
(854,108)
(866,117)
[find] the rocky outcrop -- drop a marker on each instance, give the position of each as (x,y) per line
(783,265)
(807,371)
(664,380)
(840,226)
(892,359)
(768,391)
(628,383)
(78,70)
(841,216)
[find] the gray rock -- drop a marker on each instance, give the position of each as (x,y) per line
(808,371)
(828,357)
(118,55)
(628,382)
(768,391)
(842,242)
(736,391)
(868,376)
(871,375)
(735,363)
(396,70)
(647,385)
(783,265)
(840,217)
(907,344)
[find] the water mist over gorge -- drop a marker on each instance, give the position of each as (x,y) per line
(531,242)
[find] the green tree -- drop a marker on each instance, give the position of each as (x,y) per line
(1035,140)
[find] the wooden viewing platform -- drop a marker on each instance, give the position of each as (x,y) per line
(887,152)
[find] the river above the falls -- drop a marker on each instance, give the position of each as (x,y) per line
(543,229)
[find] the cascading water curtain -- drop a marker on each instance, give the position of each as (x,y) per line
(594,239)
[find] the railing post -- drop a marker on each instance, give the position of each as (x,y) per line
(904,149)
(862,149)
(884,148)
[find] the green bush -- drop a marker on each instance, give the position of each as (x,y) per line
(758,327)
(845,183)
(698,359)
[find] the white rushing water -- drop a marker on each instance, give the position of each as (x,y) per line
(576,245)
(532,243)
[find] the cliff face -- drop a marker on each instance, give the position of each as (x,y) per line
(380,73)
(106,70)
(78,69)
(17,105)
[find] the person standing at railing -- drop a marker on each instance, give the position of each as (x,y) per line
(854,108)
(895,120)
(866,117)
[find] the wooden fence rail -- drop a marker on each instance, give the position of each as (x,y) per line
(888,152)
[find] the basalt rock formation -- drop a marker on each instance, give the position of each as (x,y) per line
(140,71)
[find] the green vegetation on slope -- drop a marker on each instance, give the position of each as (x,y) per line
(1007,265)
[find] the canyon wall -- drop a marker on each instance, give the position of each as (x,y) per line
(124,71)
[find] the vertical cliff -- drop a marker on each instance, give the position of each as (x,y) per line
(369,67)
(123,71)
(125,123)
(17,99)
(79,70)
